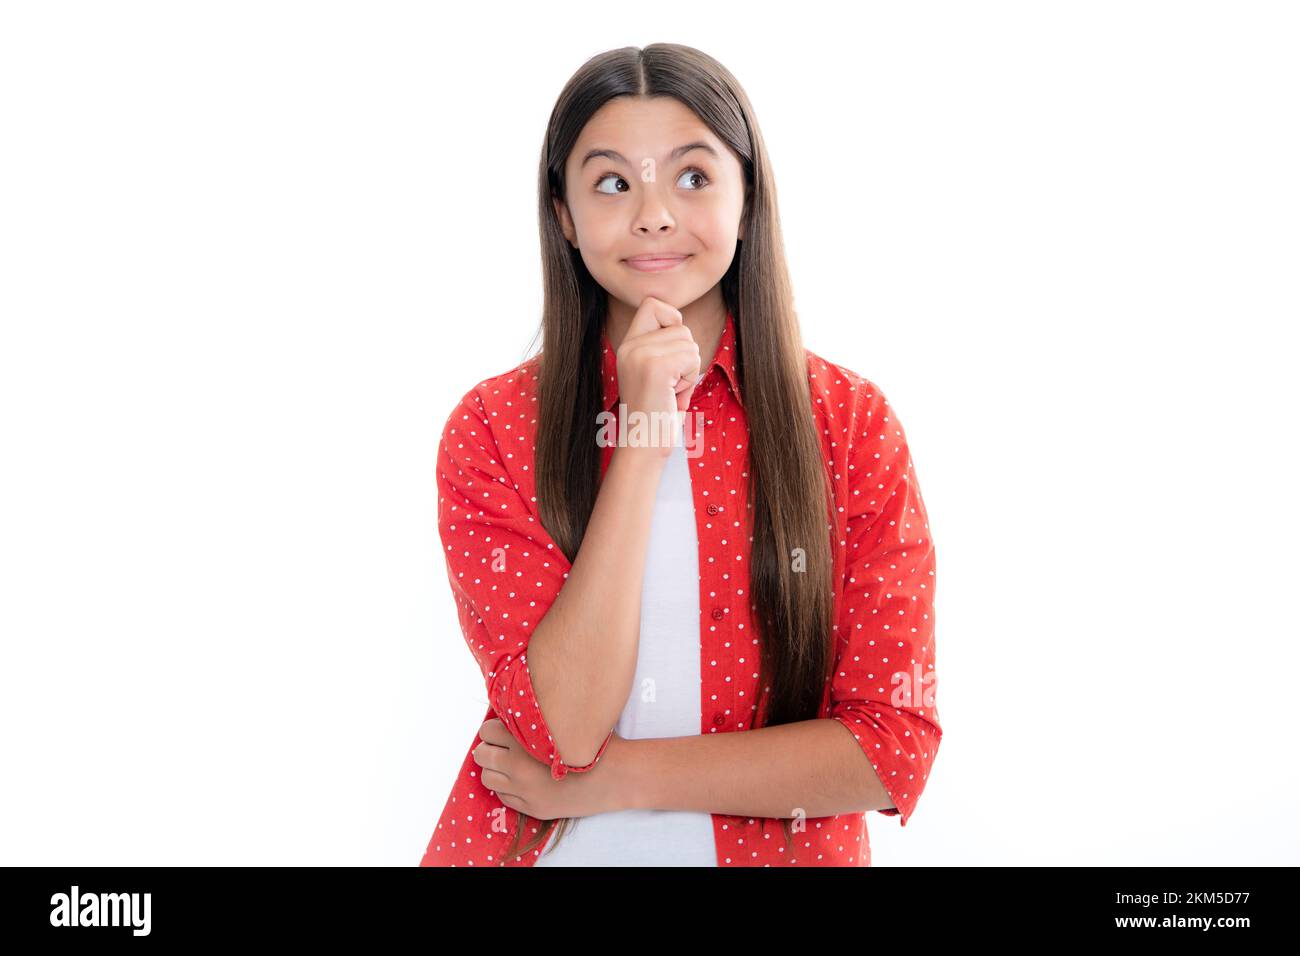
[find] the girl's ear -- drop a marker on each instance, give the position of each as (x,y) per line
(566,223)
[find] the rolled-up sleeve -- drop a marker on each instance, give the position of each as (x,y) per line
(505,572)
(883,685)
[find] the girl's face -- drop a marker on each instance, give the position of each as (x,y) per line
(646,176)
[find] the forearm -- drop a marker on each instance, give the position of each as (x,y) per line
(582,656)
(812,768)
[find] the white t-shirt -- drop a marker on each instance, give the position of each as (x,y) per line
(665,697)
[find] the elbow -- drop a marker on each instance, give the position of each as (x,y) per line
(589,757)
(900,748)
(515,702)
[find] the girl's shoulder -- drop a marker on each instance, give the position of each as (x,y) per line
(500,402)
(507,389)
(840,392)
(859,423)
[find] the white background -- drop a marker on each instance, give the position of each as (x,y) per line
(252,253)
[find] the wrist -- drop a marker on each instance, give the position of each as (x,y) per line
(629,781)
(650,453)
(651,435)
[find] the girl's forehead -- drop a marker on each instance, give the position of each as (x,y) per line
(655,125)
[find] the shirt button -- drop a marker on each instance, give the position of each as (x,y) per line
(719,720)
(717,614)
(713,509)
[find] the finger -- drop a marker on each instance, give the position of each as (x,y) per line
(497,782)
(486,755)
(679,365)
(494,732)
(653,314)
(661,336)
(658,350)
(491,756)
(514,802)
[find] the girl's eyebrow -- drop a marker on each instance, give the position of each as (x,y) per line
(618,157)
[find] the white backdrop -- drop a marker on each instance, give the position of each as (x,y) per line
(251,254)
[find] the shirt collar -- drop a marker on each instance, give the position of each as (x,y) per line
(724,359)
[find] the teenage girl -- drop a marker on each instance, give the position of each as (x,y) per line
(708,643)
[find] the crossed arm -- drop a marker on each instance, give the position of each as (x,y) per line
(506,573)
(812,768)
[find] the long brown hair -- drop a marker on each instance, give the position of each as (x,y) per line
(789,484)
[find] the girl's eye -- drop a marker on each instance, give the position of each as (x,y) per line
(609,176)
(696,172)
(617,179)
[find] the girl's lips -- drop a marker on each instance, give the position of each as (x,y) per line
(655,265)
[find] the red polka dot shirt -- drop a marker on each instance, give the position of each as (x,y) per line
(883,682)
